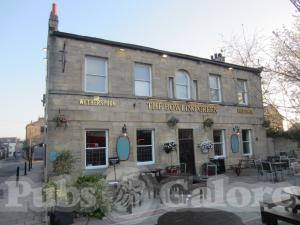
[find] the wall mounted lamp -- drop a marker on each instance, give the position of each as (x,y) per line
(124,130)
(236,130)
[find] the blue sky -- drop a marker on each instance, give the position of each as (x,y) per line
(188,26)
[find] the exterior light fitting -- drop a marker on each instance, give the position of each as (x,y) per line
(124,130)
(45,49)
(236,130)
(164,56)
(122,50)
(230,68)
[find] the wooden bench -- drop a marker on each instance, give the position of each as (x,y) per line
(270,216)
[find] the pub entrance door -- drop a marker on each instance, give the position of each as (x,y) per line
(186,150)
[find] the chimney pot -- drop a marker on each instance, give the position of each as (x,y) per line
(54,9)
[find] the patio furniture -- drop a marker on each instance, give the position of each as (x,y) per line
(295,170)
(237,168)
(258,166)
(267,170)
(270,215)
(294,192)
(278,168)
(220,163)
(209,169)
(199,216)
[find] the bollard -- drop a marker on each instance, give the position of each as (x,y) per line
(17,178)
(25,169)
(28,165)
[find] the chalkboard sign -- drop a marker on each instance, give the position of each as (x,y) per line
(123,148)
(234,140)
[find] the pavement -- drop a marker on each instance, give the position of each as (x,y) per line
(225,196)
(17,204)
(227,192)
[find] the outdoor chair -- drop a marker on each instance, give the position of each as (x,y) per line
(295,171)
(287,166)
(152,185)
(258,166)
(267,170)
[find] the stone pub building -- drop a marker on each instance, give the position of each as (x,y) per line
(94,87)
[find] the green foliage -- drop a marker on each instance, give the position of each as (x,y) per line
(293,134)
(49,194)
(266,123)
(63,163)
(208,122)
(93,190)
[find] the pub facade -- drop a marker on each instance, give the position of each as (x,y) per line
(98,90)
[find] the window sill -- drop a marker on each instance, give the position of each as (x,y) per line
(96,167)
(145,163)
(216,102)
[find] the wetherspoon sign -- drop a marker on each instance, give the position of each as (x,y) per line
(181,107)
(97,101)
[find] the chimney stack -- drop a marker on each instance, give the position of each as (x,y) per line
(53,20)
(218,57)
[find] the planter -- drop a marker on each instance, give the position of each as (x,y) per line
(208,122)
(61,216)
(60,120)
(172,121)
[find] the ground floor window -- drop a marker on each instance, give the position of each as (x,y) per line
(145,146)
(219,143)
(246,139)
(96,148)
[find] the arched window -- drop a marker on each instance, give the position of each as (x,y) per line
(182,83)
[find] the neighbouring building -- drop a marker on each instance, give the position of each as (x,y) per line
(35,137)
(9,145)
(273,117)
(35,131)
(94,87)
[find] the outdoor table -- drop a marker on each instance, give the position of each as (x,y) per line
(155,171)
(294,192)
(199,216)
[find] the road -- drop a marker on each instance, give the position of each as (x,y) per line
(8,167)
(23,214)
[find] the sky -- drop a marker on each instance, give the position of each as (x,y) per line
(193,27)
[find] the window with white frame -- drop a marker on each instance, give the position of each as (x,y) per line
(242,92)
(219,143)
(96,148)
(95,74)
(142,77)
(247,144)
(145,146)
(182,83)
(215,88)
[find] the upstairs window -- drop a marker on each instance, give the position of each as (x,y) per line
(215,88)
(182,85)
(142,77)
(95,74)
(242,92)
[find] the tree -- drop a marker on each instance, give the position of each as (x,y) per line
(280,58)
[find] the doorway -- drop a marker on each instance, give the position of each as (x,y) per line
(186,149)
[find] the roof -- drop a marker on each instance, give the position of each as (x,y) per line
(153,50)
